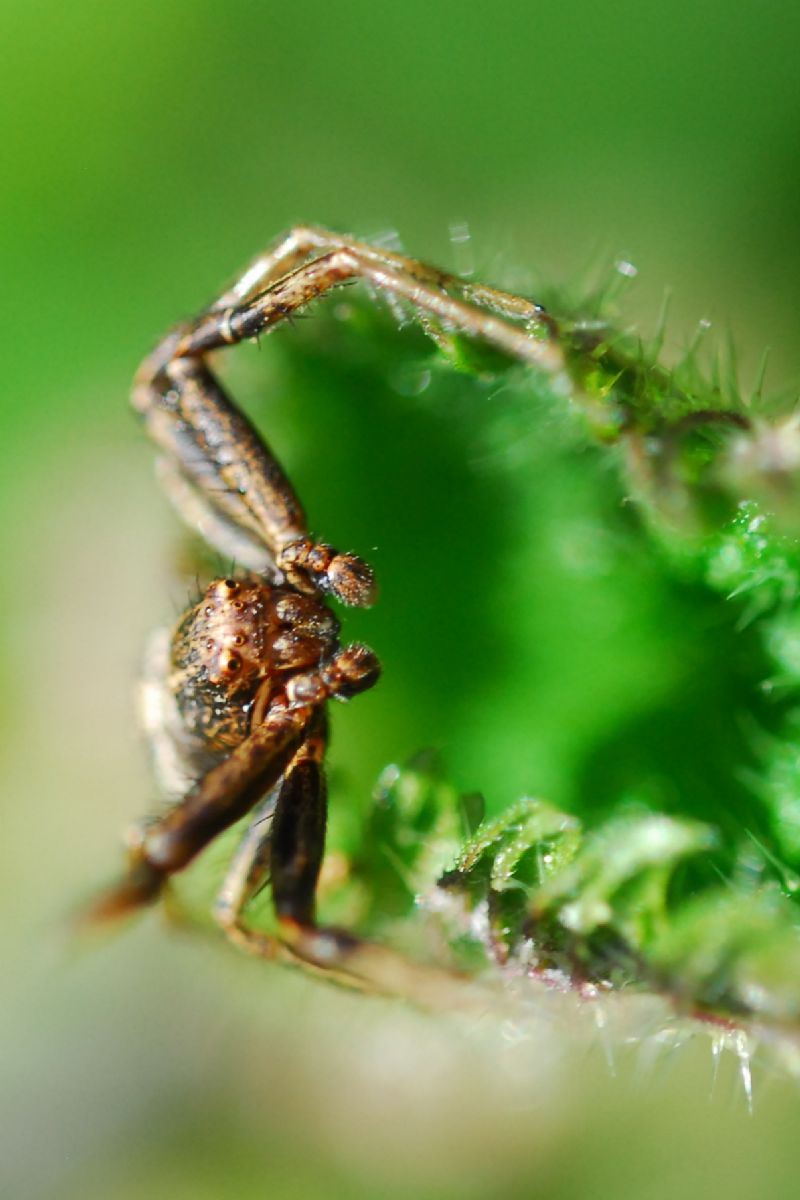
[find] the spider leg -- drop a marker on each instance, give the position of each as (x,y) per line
(290,850)
(231,789)
(228,791)
(215,527)
(400,278)
(238,480)
(222,797)
(250,869)
(295,246)
(217,450)
(247,874)
(299,243)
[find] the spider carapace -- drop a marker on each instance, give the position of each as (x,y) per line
(234,700)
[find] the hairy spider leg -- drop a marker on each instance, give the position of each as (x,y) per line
(248,872)
(215,527)
(230,790)
(295,246)
(223,796)
(284,844)
(217,327)
(188,414)
(298,832)
(236,480)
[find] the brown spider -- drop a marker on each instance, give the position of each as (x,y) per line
(234,702)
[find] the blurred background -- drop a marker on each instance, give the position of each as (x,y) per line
(148,151)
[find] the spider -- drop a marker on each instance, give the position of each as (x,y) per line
(234,701)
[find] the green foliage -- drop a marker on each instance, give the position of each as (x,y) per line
(631,904)
(667,860)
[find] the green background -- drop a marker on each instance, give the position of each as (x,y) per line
(149,150)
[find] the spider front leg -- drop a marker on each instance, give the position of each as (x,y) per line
(424,288)
(287,848)
(230,790)
(295,247)
(223,479)
(222,797)
(222,472)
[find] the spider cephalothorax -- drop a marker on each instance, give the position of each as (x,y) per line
(234,701)
(247,644)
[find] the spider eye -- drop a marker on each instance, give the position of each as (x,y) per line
(231,585)
(232,663)
(239,639)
